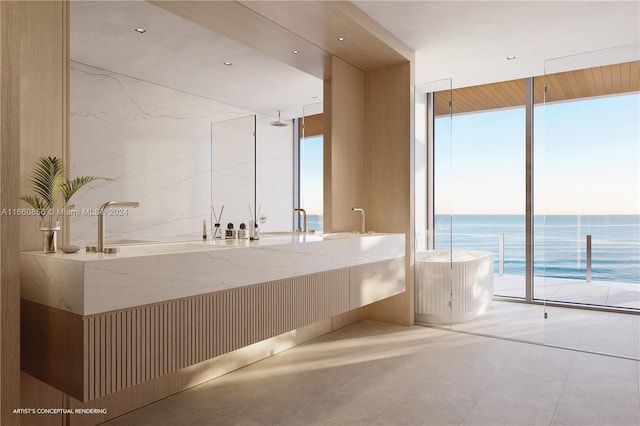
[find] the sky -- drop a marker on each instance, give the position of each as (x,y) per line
(586,159)
(311,175)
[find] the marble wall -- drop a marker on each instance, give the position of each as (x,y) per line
(156,145)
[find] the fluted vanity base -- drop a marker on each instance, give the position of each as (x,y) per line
(88,357)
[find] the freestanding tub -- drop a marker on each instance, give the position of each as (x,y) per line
(452,287)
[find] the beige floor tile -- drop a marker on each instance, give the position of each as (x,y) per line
(543,363)
(600,390)
(509,320)
(429,407)
(512,406)
(580,407)
(331,413)
(381,374)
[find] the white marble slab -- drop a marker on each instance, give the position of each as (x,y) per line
(92,283)
(156,144)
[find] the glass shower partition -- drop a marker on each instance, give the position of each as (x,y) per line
(588,200)
(433,203)
(489,207)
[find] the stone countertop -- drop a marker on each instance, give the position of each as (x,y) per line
(92,283)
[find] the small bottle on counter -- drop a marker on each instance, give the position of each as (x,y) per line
(216,231)
(230,233)
(256,231)
(243,232)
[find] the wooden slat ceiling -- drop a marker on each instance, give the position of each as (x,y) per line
(598,81)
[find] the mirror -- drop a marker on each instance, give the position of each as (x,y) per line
(233,177)
(142,109)
(155,143)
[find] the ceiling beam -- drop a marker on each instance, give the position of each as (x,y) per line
(237,22)
(311,28)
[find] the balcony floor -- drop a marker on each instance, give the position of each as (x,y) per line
(601,293)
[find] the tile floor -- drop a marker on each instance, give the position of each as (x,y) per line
(380,374)
(593,331)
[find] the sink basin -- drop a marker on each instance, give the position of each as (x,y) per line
(142,249)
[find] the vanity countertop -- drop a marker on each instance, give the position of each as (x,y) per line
(92,283)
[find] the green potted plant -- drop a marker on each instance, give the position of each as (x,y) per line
(49,181)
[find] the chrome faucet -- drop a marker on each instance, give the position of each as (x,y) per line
(304,219)
(101,213)
(361,210)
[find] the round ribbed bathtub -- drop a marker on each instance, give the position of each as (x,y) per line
(464,277)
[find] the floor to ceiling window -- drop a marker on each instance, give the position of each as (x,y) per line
(558,207)
(310,170)
(586,185)
(480,179)
(311,180)
(588,202)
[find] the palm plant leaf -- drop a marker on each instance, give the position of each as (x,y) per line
(35,202)
(47,178)
(70,187)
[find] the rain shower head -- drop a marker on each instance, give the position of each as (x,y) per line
(279,122)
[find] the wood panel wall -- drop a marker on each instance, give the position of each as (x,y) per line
(9,224)
(343,147)
(44,97)
(42,28)
(389,173)
(313,126)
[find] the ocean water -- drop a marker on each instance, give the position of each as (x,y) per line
(314,221)
(559,243)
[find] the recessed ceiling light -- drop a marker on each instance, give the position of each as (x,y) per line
(140,30)
(510,58)
(314,97)
(228,63)
(340,38)
(295,52)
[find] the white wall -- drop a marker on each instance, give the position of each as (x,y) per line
(155,142)
(274,166)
